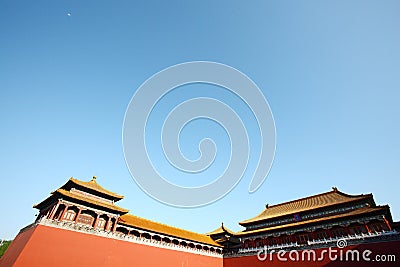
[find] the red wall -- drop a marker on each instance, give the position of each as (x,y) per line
(48,246)
(16,248)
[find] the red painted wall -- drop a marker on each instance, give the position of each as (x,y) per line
(16,248)
(48,246)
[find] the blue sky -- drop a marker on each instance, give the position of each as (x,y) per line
(329,70)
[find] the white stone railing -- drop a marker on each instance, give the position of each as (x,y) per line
(349,238)
(273,247)
(360,236)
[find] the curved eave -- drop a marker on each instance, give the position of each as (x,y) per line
(361,211)
(91,201)
(221,230)
(263,217)
(155,227)
(38,205)
(93,185)
(45,202)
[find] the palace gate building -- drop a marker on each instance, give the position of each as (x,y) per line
(79,224)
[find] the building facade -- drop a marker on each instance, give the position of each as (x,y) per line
(80,224)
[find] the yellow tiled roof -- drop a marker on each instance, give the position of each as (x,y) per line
(220,230)
(152,226)
(90,200)
(312,202)
(92,184)
(359,211)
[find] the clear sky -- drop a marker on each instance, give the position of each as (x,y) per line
(330,71)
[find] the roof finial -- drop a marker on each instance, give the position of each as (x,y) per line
(266,206)
(334,188)
(94,178)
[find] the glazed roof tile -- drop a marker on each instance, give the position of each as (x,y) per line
(331,198)
(90,200)
(83,198)
(93,185)
(360,211)
(220,230)
(141,223)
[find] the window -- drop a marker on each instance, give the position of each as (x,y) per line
(286,240)
(322,235)
(271,241)
(69,215)
(339,232)
(100,223)
(259,242)
(377,227)
(357,230)
(247,244)
(85,219)
(301,239)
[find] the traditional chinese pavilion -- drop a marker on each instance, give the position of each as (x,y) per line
(318,222)
(79,224)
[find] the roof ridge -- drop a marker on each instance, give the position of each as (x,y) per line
(334,190)
(221,228)
(273,211)
(299,199)
(304,222)
(162,228)
(86,198)
(95,184)
(163,224)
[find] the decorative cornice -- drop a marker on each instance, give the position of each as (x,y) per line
(71,226)
(322,243)
(97,211)
(313,228)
